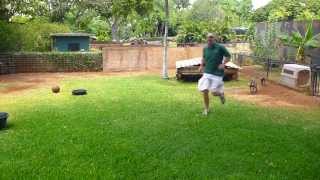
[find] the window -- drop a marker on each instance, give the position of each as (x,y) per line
(288,71)
(74,47)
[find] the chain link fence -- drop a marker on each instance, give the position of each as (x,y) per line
(11,63)
(257,68)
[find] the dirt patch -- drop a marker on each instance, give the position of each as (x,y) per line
(276,95)
(20,82)
(253,72)
(11,89)
(273,94)
(14,83)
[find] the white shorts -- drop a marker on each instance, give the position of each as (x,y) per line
(211,83)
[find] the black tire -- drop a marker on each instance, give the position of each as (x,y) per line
(79,92)
(3,119)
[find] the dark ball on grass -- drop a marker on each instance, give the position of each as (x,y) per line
(55,89)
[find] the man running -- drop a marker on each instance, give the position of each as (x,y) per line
(215,56)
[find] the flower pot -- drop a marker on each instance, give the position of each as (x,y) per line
(3,120)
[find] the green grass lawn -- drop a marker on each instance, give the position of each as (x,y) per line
(143,127)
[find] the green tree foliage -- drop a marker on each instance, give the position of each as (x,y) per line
(117,12)
(236,12)
(37,35)
(283,10)
(244,11)
(45,8)
(301,42)
(217,16)
(182,4)
(9,8)
(57,9)
(191,32)
(125,19)
(31,36)
(122,19)
(152,24)
(10,36)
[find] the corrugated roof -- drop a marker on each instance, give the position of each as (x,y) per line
(296,67)
(71,34)
(232,65)
(197,61)
(188,62)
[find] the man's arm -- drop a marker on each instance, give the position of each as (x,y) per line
(226,60)
(227,57)
(202,65)
(203,61)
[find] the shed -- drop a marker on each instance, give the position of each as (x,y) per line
(295,76)
(190,69)
(70,41)
(240,30)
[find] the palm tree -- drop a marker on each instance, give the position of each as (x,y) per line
(302,42)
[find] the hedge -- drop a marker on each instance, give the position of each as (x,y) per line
(26,62)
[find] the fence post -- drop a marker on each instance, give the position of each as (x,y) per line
(268,67)
(315,80)
(314,83)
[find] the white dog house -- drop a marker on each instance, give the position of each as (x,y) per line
(295,76)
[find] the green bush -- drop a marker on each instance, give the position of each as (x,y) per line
(31,36)
(10,37)
(36,35)
(191,32)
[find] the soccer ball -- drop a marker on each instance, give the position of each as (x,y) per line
(55,89)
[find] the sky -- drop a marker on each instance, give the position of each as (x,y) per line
(256,3)
(259,3)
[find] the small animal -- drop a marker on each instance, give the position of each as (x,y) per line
(55,89)
(263,81)
(253,86)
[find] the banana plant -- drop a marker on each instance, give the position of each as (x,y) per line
(302,42)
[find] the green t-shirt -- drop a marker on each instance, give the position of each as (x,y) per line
(213,57)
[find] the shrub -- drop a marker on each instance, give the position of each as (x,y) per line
(36,35)
(191,32)
(31,36)
(10,37)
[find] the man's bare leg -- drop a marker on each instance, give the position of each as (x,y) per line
(221,96)
(206,102)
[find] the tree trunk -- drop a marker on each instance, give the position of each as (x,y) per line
(114,30)
(165,43)
(300,55)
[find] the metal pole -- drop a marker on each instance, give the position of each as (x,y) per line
(312,83)
(268,67)
(165,43)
